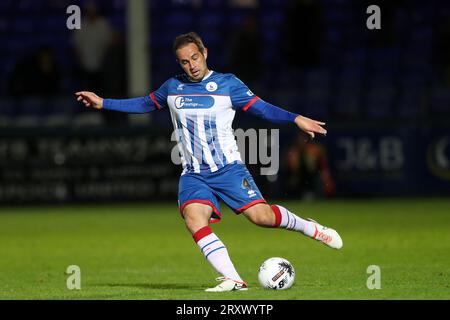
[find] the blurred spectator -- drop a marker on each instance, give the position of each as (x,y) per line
(37,75)
(249,4)
(302,33)
(91,43)
(308,173)
(114,75)
(192,3)
(442,52)
(245,51)
(114,67)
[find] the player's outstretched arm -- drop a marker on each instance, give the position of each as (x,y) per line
(242,98)
(278,115)
(132,105)
(310,126)
(90,99)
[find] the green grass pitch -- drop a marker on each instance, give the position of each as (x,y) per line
(143,251)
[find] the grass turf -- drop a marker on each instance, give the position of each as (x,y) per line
(143,251)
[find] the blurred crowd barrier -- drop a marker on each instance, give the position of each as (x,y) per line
(106,164)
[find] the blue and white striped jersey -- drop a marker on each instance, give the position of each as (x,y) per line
(202,114)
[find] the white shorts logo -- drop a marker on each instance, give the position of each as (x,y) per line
(211,86)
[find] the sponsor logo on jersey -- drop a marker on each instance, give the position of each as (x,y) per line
(193,102)
(211,86)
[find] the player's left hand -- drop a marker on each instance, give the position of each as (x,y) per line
(310,126)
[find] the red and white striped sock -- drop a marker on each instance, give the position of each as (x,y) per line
(289,221)
(216,253)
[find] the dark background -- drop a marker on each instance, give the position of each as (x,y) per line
(384,94)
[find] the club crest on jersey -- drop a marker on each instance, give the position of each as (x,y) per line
(211,86)
(247,185)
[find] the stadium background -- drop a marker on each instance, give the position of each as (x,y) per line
(384,94)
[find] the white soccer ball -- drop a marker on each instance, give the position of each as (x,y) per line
(276,273)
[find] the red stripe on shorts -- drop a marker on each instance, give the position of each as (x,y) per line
(248,205)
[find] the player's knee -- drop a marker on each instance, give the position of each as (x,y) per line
(196,217)
(193,221)
(194,224)
(261,215)
(189,219)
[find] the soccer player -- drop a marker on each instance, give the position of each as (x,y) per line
(202,105)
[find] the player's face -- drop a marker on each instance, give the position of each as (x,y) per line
(193,61)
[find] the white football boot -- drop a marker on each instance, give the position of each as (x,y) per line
(228,285)
(327,236)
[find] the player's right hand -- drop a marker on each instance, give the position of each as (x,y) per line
(90,99)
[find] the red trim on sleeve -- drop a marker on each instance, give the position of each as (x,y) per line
(201,233)
(152,96)
(250,103)
(277,213)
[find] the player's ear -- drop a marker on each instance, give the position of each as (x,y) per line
(177,60)
(205,53)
